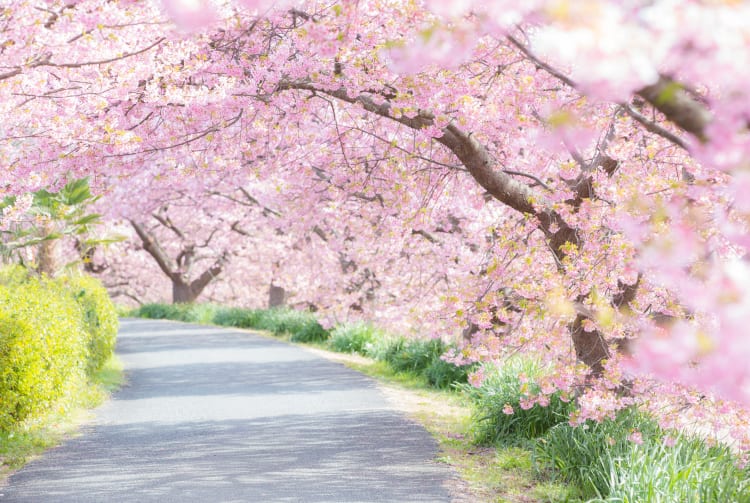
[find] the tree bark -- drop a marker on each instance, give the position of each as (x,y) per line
(591,347)
(47,253)
(276,296)
(670,98)
(182,293)
(183,290)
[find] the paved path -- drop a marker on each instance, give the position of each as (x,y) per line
(215,415)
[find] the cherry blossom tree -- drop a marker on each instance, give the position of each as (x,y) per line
(555,177)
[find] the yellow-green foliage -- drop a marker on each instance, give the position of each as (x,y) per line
(43,347)
(11,275)
(99,316)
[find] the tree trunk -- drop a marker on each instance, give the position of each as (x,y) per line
(182,293)
(276,296)
(47,254)
(183,290)
(591,347)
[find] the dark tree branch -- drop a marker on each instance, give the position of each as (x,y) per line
(429,237)
(167,222)
(151,245)
(678,105)
(202,281)
(666,95)
(653,127)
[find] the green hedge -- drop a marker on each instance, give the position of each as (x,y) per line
(42,348)
(51,333)
(14,275)
(99,316)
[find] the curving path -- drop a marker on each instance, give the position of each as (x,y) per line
(215,415)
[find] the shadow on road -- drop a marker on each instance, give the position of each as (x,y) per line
(315,458)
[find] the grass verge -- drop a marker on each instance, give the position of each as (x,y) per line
(488,474)
(31,438)
(660,466)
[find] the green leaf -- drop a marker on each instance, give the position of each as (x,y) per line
(88,219)
(7,202)
(76,192)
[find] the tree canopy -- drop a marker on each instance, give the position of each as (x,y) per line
(563,178)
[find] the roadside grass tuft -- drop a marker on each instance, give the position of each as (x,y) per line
(502,388)
(190,313)
(608,466)
(353,337)
(442,374)
(302,326)
(237,317)
(379,348)
(414,355)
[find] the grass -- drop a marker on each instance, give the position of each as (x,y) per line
(382,370)
(507,474)
(302,326)
(664,467)
(354,337)
(110,377)
(502,389)
(193,313)
(31,438)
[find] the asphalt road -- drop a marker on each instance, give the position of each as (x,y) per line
(215,415)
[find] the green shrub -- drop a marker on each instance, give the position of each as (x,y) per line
(272,320)
(301,325)
(414,355)
(42,348)
(418,356)
(443,374)
(237,317)
(607,465)
(353,337)
(12,275)
(502,387)
(380,347)
(157,312)
(99,316)
(190,313)
(123,310)
(393,350)
(311,332)
(199,313)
